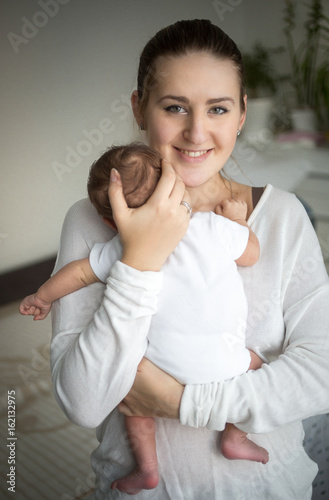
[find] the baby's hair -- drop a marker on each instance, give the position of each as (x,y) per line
(140,170)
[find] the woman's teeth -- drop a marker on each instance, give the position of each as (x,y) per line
(193,154)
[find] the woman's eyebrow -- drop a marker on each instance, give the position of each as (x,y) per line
(174,98)
(221,99)
(185,100)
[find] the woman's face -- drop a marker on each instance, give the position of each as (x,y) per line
(193,114)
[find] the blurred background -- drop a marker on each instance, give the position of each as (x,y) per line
(68,68)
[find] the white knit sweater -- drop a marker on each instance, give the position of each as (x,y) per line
(99,337)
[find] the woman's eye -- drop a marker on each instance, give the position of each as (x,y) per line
(218,110)
(174,108)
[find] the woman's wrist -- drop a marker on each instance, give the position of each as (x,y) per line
(153,394)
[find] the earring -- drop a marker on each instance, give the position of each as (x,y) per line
(141,127)
(238,133)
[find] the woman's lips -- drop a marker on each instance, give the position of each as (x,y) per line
(194,155)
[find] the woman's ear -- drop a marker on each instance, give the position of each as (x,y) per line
(110,223)
(243,115)
(134,104)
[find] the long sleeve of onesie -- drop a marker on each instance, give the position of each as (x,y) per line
(99,332)
(288,296)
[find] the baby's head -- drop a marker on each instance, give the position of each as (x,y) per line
(140,170)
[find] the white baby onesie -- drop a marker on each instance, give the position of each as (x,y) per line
(198,332)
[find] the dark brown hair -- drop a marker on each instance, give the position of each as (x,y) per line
(198,35)
(139,167)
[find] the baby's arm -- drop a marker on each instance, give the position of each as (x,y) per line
(70,278)
(237,212)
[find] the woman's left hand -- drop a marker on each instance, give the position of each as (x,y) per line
(154,393)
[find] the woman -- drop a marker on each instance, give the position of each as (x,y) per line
(191,105)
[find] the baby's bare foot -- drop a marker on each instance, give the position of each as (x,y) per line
(236,446)
(137,481)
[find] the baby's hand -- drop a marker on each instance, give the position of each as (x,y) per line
(232,209)
(34,306)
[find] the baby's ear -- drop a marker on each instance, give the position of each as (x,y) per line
(110,223)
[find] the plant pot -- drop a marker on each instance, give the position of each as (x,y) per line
(256,130)
(304,120)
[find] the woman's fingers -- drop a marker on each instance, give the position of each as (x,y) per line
(179,192)
(117,199)
(187,199)
(166,183)
(170,188)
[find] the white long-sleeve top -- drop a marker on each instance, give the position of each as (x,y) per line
(100,335)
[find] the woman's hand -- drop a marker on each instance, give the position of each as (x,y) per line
(151,232)
(154,393)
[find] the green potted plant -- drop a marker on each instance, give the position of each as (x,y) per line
(309,62)
(261,85)
(261,79)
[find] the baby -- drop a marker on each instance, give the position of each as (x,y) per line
(202,340)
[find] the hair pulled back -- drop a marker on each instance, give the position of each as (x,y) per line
(181,38)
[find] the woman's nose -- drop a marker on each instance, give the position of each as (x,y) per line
(196,129)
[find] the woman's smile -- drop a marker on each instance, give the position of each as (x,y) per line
(193,156)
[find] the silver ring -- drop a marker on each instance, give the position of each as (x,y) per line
(189,209)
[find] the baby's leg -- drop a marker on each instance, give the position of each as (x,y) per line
(141,435)
(235,445)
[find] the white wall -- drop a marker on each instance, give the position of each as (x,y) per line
(68,69)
